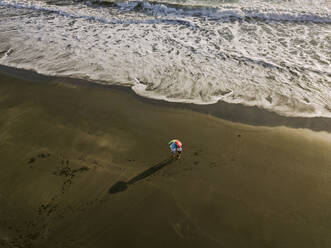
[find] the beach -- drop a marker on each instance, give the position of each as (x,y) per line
(65,143)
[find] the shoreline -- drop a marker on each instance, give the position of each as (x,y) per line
(240,113)
(86,167)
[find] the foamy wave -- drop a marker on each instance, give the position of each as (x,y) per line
(178,53)
(66,13)
(174,10)
(225,14)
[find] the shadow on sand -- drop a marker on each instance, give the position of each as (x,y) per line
(121,185)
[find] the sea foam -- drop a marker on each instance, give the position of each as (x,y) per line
(261,54)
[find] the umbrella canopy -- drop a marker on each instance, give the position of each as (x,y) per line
(176,141)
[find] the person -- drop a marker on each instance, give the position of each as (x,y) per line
(176,148)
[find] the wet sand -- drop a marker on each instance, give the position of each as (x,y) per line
(88,166)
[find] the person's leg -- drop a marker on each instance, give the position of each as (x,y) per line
(178,153)
(173,152)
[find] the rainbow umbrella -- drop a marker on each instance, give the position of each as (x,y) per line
(176,141)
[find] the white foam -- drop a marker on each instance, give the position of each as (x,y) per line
(180,54)
(280,14)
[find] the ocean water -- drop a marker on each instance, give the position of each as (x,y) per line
(274,54)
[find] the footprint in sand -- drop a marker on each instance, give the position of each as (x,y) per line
(41,155)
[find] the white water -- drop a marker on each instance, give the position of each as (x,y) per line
(271,54)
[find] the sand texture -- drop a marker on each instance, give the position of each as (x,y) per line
(88,166)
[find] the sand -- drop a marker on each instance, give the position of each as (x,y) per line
(88,166)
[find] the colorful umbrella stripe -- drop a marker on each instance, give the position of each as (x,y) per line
(176,141)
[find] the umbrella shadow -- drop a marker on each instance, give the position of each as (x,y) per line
(121,185)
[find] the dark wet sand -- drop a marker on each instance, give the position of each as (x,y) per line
(63,147)
(226,111)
